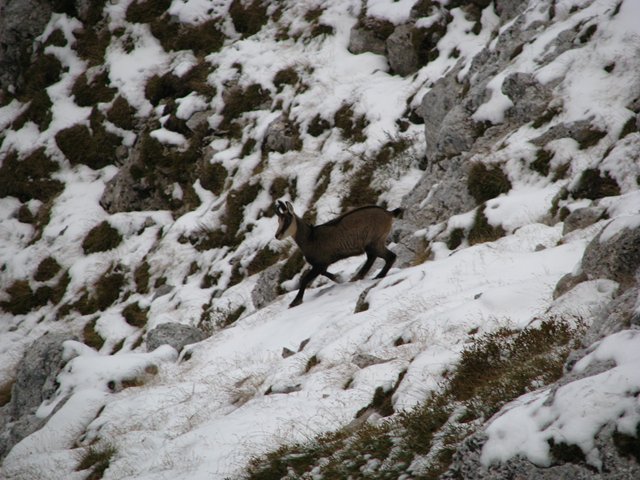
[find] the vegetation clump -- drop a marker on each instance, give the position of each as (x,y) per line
(482,231)
(351,127)
(594,184)
(135,315)
(30,177)
(542,162)
(89,92)
(286,76)
(486,182)
(248,17)
(122,114)
(101,238)
(94,147)
(97,459)
(47,269)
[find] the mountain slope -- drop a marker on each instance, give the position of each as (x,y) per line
(143,146)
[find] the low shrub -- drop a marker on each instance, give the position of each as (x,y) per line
(248,17)
(30,177)
(594,184)
(486,182)
(94,147)
(97,459)
(101,238)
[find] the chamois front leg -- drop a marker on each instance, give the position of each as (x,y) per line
(306,279)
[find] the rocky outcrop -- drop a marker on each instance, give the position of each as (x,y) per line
(20,22)
(173,334)
(35,382)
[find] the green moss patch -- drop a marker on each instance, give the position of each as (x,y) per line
(88,93)
(30,177)
(122,114)
(542,162)
(94,147)
(248,16)
(47,269)
(594,184)
(101,238)
(135,315)
(212,177)
(97,460)
(351,126)
(482,231)
(486,182)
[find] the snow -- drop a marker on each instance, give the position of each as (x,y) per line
(204,412)
(575,412)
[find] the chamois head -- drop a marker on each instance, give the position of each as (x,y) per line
(286,220)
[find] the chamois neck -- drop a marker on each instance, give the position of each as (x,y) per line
(303,230)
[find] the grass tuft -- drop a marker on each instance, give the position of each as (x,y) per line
(485,182)
(101,238)
(98,460)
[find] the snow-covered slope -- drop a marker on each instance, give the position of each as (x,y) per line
(232,105)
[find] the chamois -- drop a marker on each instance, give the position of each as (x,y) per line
(363,230)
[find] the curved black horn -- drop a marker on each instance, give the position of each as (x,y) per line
(280,207)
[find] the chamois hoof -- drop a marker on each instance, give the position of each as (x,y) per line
(295,303)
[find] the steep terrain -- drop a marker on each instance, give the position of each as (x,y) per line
(143,308)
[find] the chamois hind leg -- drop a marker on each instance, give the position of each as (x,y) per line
(371,257)
(389,257)
(306,279)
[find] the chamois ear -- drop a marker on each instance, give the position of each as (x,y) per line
(280,207)
(290,208)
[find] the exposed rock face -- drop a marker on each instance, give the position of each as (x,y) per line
(402,56)
(35,382)
(616,258)
(20,22)
(266,289)
(173,334)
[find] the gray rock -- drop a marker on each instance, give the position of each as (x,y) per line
(20,22)
(281,136)
(580,131)
(362,40)
(530,98)
(266,288)
(173,334)
(401,53)
(617,258)
(582,218)
(620,314)
(36,378)
(35,382)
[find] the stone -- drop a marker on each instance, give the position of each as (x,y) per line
(266,288)
(174,334)
(21,21)
(35,382)
(530,98)
(401,53)
(616,258)
(281,136)
(362,40)
(582,218)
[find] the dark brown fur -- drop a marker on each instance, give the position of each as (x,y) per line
(360,231)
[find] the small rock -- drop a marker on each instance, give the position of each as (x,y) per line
(173,334)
